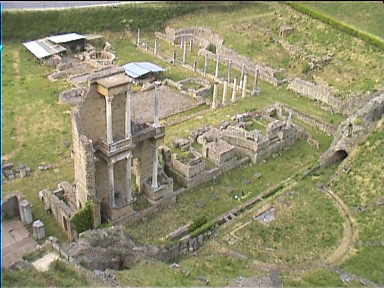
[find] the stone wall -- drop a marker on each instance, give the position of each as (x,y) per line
(190,170)
(316,92)
(10,207)
(72,96)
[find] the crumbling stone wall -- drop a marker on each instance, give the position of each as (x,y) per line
(190,170)
(10,206)
(219,151)
(316,92)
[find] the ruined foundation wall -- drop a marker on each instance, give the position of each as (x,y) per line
(10,207)
(316,92)
(188,171)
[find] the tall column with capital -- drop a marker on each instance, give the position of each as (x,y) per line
(243,95)
(108,111)
(184,53)
(225,92)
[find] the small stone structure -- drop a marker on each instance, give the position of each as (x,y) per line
(10,173)
(38,230)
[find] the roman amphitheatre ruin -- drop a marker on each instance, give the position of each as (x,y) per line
(194,147)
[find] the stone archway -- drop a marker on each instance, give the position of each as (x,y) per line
(338,156)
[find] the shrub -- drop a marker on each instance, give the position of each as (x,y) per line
(83,219)
(198,223)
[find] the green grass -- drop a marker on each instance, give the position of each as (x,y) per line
(213,200)
(307,227)
(363,186)
(319,278)
(367,16)
(59,275)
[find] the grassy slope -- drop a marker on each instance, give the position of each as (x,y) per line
(362,186)
(367,16)
(58,275)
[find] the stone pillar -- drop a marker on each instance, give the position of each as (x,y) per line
(146,46)
(225,90)
(205,65)
(138,37)
(234,90)
(214,97)
(181,43)
(243,95)
(38,230)
(111,179)
(184,53)
(155,49)
(156,120)
(256,78)
(128,178)
(229,70)
(155,186)
(217,67)
(194,65)
(128,115)
(242,76)
(108,111)
(174,57)
(25,212)
(190,44)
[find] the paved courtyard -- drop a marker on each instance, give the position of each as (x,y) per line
(16,241)
(171,101)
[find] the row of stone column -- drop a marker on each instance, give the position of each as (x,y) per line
(225,98)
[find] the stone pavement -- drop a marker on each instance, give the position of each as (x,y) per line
(16,241)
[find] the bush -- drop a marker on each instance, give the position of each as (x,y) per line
(212,48)
(83,219)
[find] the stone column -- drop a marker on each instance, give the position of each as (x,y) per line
(229,70)
(108,110)
(138,37)
(128,178)
(128,115)
(214,97)
(243,95)
(146,46)
(217,67)
(181,43)
(156,121)
(155,49)
(26,212)
(174,57)
(111,179)
(190,44)
(184,53)
(205,65)
(194,65)
(155,186)
(234,90)
(256,78)
(242,75)
(225,90)
(38,230)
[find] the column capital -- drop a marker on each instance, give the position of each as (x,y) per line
(109,99)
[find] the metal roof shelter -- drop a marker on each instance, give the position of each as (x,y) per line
(139,69)
(42,48)
(64,38)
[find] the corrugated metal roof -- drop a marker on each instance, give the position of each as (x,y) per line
(65,38)
(138,69)
(42,48)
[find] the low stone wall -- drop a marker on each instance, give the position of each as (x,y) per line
(322,126)
(316,92)
(207,175)
(72,96)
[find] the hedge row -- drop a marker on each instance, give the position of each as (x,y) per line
(370,38)
(29,25)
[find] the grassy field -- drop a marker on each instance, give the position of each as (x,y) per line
(366,16)
(58,275)
(363,187)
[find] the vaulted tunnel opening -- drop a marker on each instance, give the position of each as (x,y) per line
(337,157)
